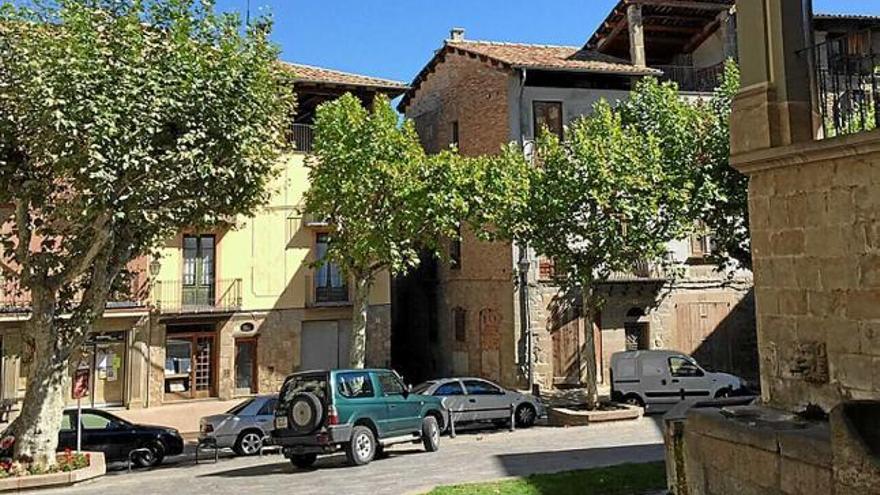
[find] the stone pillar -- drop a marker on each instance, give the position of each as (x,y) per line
(774,107)
(636,35)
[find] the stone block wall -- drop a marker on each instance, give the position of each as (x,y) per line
(815,220)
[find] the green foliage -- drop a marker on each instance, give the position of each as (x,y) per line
(724,197)
(626,479)
(122,121)
(385,198)
(618,187)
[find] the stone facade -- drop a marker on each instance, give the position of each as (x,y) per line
(483,105)
(815,210)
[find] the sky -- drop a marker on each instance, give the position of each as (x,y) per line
(394,39)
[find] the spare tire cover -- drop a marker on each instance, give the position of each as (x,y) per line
(306,413)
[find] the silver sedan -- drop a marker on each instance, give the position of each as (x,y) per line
(476,399)
(243,427)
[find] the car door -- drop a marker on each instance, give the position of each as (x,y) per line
(686,375)
(104,433)
(486,400)
(455,399)
(266,415)
(403,414)
(655,385)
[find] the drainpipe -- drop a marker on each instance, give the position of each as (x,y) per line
(523,263)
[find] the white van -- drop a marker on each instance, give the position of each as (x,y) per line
(658,380)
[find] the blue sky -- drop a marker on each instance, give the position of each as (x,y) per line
(395,38)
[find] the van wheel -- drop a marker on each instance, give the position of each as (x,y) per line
(362,447)
(303,461)
(430,434)
(634,400)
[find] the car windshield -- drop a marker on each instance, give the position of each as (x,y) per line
(315,384)
(420,388)
(240,407)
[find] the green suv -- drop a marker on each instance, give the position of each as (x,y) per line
(358,411)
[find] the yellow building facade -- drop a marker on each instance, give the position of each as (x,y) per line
(230,311)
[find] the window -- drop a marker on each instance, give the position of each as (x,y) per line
(355,385)
(459,324)
(268,408)
(240,407)
(390,384)
(330,285)
(548,115)
(451,388)
(701,242)
(682,367)
(546,269)
(455,141)
(480,387)
(91,421)
(67,422)
(198,260)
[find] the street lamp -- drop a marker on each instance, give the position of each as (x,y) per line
(155,266)
(524,305)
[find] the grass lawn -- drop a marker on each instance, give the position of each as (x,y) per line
(626,479)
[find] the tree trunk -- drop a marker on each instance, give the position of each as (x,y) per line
(589,373)
(361,304)
(36,428)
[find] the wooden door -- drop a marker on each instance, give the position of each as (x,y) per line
(566,352)
(699,333)
(199,285)
(203,369)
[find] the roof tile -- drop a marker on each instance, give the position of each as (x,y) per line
(310,73)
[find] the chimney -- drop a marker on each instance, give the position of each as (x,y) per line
(456,34)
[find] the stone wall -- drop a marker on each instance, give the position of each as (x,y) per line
(815,220)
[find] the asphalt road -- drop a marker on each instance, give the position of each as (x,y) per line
(473,456)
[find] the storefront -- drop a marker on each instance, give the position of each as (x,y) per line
(190,362)
(105,355)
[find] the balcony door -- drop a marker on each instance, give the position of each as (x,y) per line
(199,284)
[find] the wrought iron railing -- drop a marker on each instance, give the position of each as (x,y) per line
(690,78)
(640,271)
(847,81)
(173,296)
(320,294)
(14,299)
(302,137)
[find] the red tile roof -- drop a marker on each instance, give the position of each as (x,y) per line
(550,57)
(529,56)
(312,74)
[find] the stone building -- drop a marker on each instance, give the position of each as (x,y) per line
(230,311)
(812,155)
(481,95)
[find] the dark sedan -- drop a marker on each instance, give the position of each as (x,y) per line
(117,438)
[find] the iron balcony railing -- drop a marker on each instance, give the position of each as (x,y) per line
(324,295)
(302,137)
(173,296)
(641,271)
(689,78)
(846,77)
(14,300)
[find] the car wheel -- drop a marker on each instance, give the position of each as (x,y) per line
(430,434)
(303,461)
(248,443)
(526,416)
(633,400)
(362,447)
(152,456)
